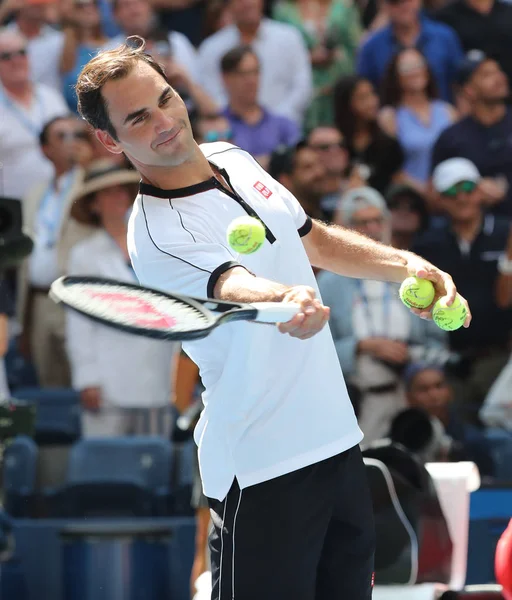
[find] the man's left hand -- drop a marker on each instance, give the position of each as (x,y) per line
(443,284)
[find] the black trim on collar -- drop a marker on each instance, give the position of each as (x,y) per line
(216,273)
(190,190)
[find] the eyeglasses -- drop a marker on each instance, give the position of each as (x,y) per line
(4,56)
(463,186)
(218,136)
(68,136)
(327,147)
(367,222)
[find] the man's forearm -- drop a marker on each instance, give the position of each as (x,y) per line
(349,253)
(238,285)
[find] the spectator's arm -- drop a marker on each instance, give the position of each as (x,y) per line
(301,91)
(504,281)
(4,334)
(387,120)
(69,49)
(185,55)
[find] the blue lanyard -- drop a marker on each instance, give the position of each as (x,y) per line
(22,116)
(49,216)
(368,313)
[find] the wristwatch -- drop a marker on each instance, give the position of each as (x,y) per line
(505,265)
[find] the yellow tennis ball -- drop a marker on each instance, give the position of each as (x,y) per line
(451,317)
(246,235)
(416,292)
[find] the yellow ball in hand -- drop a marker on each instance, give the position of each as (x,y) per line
(416,292)
(451,317)
(246,235)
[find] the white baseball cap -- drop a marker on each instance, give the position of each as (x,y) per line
(452,171)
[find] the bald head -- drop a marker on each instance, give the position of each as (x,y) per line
(14,69)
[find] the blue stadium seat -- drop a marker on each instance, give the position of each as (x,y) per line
(500,443)
(57,414)
(117,477)
(19,476)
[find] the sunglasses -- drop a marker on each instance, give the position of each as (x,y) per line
(218,136)
(463,186)
(367,222)
(72,135)
(326,147)
(4,56)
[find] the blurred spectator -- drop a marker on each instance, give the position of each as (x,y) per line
(468,247)
(124,381)
(429,390)
(26,107)
(300,170)
(33,19)
(374,333)
(136,17)
(212,128)
(331,30)
(377,156)
(194,96)
(409,215)
(485,135)
(483,25)
(65,142)
(285,67)
(412,112)
(183,16)
(408,29)
(255,129)
(328,143)
(84,36)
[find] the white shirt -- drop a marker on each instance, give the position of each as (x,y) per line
(183,52)
(273,404)
(22,162)
(285,78)
(44,54)
(43,263)
(132,372)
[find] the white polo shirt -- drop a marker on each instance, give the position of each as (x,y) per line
(273,403)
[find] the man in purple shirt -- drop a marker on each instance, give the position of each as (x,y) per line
(254,128)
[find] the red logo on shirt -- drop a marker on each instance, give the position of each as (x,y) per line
(262,189)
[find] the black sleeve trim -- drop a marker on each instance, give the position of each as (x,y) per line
(216,273)
(306,228)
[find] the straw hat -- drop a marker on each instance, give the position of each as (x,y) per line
(101,174)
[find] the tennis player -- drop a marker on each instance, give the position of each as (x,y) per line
(278,439)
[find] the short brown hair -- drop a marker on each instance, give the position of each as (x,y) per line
(108,66)
(232,59)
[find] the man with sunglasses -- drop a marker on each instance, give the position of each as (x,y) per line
(469,246)
(46,209)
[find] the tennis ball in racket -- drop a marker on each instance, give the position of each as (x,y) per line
(416,292)
(246,235)
(451,317)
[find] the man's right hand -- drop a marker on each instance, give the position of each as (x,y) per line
(391,351)
(312,317)
(91,399)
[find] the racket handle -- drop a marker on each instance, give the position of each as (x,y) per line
(275,312)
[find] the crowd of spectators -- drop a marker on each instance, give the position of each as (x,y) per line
(386,116)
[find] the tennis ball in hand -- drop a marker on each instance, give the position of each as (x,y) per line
(416,292)
(246,235)
(451,317)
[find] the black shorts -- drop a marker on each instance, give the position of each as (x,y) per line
(307,535)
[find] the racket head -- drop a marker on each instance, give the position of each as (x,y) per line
(134,309)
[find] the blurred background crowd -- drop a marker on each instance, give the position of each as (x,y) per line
(390,117)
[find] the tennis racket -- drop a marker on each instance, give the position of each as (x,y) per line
(154,314)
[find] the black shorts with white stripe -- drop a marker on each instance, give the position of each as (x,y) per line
(307,535)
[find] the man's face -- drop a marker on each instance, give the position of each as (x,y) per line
(133,16)
(328,143)
(404,218)
(242,84)
(430,391)
(246,13)
(14,67)
(463,201)
(403,12)
(488,83)
(67,142)
(150,119)
(308,174)
(369,221)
